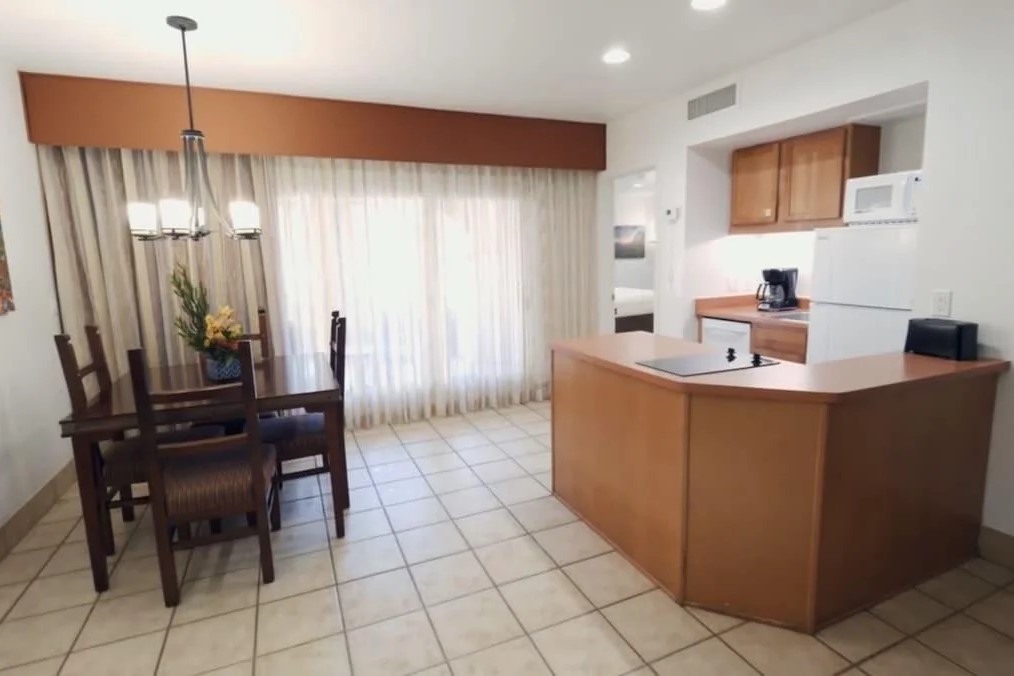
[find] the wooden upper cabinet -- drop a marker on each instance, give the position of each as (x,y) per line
(755,185)
(808,187)
(813,176)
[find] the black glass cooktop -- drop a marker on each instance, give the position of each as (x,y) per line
(700,365)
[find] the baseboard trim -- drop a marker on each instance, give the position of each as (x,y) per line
(37,506)
(997,547)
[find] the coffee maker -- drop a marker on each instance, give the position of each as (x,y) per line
(778,292)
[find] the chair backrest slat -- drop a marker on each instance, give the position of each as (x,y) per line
(203,446)
(263,335)
(74,375)
(337,347)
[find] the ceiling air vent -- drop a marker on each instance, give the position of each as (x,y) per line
(713,102)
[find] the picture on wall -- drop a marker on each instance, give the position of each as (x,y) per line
(6,294)
(630,241)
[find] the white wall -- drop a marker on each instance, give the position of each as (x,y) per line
(901,144)
(32,392)
(636,207)
(963,50)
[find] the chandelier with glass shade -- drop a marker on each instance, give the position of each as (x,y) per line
(189,217)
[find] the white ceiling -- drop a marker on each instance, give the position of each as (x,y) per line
(525,57)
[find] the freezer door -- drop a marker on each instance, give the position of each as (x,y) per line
(872,266)
(846,331)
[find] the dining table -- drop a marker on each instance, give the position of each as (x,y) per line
(284,383)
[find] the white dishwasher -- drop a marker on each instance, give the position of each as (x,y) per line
(724,334)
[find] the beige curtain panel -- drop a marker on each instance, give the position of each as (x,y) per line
(455,279)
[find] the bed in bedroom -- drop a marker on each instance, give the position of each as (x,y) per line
(634,309)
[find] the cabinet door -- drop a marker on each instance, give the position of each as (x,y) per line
(755,185)
(813,176)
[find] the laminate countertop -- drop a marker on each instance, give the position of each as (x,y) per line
(826,382)
(751,315)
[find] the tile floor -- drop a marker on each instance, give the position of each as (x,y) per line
(457,561)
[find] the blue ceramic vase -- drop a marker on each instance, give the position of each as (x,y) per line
(222,370)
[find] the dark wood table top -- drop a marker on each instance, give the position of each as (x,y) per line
(291,381)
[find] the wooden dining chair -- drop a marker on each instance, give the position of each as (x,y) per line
(119,458)
(263,336)
(302,436)
(207,479)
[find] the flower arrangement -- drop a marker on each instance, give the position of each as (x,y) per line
(214,335)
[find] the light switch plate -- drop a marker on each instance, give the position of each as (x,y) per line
(941,300)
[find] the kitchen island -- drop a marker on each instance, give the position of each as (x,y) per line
(790,494)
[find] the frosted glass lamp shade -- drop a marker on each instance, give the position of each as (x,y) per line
(246,219)
(142,217)
(175,215)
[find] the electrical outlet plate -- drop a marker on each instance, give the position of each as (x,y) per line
(941,301)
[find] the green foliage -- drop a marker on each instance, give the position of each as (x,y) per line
(193,298)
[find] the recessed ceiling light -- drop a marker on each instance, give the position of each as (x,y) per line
(707,5)
(615,56)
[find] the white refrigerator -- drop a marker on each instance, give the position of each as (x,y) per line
(863,291)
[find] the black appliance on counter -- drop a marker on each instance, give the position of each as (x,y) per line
(703,364)
(943,338)
(778,292)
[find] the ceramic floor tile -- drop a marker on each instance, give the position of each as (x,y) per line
(49,667)
(431,542)
(220,558)
(300,489)
(957,589)
(217,595)
(911,659)
(125,617)
(69,557)
(450,577)
(585,645)
(63,510)
(427,448)
(371,653)
(504,434)
(453,427)
(353,458)
(395,471)
(296,540)
(377,598)
(469,501)
(299,574)
(514,559)
(716,622)
(524,417)
(9,595)
(489,527)
(325,657)
(302,511)
(358,478)
(710,658)
(608,578)
(537,428)
(374,457)
(544,439)
(978,648)
(536,462)
(507,659)
(408,515)
(485,424)
(45,535)
(55,593)
(859,636)
(471,623)
(416,432)
(297,619)
(482,454)
(369,557)
(439,670)
(501,470)
(521,447)
(360,500)
(405,490)
(462,442)
(546,479)
(239,669)
(125,658)
(25,566)
(365,525)
(513,491)
(35,638)
(571,542)
(449,482)
(208,644)
(655,625)
(542,514)
(781,652)
(544,599)
(440,463)
(138,575)
(996,611)
(911,611)
(990,571)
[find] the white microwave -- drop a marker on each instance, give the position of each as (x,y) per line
(885,198)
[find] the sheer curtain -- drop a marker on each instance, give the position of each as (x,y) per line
(454,278)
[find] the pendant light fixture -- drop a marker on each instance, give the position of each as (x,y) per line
(178,218)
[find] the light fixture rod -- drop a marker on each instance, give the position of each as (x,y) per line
(186,76)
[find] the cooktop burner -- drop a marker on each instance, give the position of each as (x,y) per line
(700,365)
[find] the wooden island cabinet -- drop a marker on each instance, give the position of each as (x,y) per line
(790,494)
